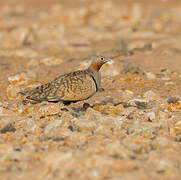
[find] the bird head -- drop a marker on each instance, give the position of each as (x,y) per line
(98,61)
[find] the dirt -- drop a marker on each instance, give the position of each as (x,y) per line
(130,129)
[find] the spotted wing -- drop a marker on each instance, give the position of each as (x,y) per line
(39,93)
(74,86)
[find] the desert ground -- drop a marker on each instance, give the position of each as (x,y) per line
(130,129)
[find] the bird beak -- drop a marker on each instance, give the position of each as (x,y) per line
(108,60)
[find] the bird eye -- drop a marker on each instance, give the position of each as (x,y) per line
(102,58)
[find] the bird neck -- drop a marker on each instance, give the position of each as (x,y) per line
(95,66)
(94,70)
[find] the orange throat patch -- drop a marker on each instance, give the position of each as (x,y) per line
(96,66)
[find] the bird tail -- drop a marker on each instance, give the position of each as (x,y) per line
(25,92)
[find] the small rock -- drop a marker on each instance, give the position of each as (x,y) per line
(8,128)
(151,116)
(172,100)
(4,111)
(59,139)
(87,123)
(163,141)
(12,92)
(56,158)
(127,95)
(139,103)
(164,164)
(150,75)
(11,154)
(165,78)
(85,106)
(55,124)
(71,128)
(18,79)
(169,83)
(149,95)
(162,116)
(49,109)
(166,71)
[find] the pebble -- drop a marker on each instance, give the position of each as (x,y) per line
(165,78)
(163,164)
(172,100)
(86,123)
(149,95)
(50,126)
(163,116)
(8,128)
(127,95)
(49,109)
(12,92)
(54,159)
(33,126)
(150,75)
(3,111)
(169,83)
(163,141)
(18,79)
(151,116)
(12,155)
(140,103)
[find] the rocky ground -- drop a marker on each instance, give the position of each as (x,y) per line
(129,130)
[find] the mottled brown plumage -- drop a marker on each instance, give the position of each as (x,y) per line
(74,86)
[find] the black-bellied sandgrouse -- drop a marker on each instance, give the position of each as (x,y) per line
(74,86)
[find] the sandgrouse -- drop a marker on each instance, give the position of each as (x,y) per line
(71,87)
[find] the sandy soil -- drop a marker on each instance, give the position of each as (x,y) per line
(131,129)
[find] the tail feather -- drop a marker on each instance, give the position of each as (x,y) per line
(26,92)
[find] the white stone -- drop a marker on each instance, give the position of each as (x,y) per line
(169,83)
(163,141)
(149,95)
(133,101)
(165,78)
(151,116)
(18,79)
(49,127)
(150,75)
(12,92)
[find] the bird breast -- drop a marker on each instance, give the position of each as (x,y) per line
(97,77)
